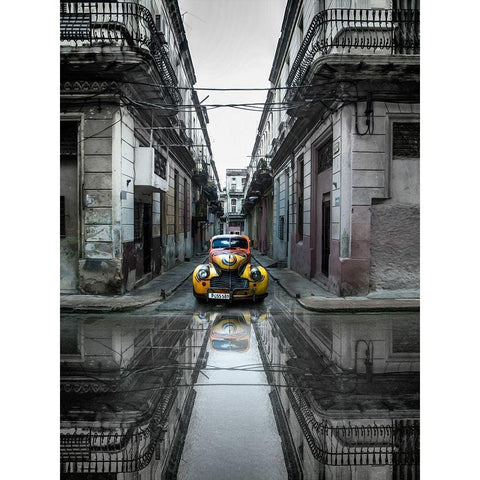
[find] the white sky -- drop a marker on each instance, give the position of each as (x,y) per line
(232,44)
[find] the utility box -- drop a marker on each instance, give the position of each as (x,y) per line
(151,170)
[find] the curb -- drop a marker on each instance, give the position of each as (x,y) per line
(388,306)
(135,304)
(352,306)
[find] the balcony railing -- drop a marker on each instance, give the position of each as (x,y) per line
(122,24)
(390,443)
(109,450)
(342,30)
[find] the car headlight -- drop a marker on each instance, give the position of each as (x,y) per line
(203,273)
(255,274)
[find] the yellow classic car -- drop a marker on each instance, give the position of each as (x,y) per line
(229,274)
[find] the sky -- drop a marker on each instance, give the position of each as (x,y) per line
(232,44)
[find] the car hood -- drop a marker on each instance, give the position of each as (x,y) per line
(229,259)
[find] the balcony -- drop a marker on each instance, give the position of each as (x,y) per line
(347,32)
(117,35)
(200,173)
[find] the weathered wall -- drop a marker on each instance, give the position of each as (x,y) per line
(100,269)
(395,247)
(361,258)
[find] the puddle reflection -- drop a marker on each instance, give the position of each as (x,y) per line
(338,393)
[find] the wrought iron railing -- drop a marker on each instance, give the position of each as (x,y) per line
(122,24)
(394,443)
(115,450)
(344,29)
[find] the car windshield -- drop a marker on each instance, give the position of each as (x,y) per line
(230,242)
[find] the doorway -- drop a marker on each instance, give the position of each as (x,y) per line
(69,206)
(325,233)
(147,238)
(323,184)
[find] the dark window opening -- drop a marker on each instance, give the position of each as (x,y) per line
(137,221)
(68,138)
(281,227)
(325,156)
(160,165)
(185,207)
(69,337)
(406,140)
(300,183)
(175,204)
(62,217)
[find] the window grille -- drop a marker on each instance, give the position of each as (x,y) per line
(281,227)
(406,140)
(137,221)
(160,165)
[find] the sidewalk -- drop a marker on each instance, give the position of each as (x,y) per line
(160,287)
(313,297)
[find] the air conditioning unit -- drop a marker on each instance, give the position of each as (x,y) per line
(151,170)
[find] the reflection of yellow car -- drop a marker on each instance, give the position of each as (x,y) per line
(230,331)
(229,274)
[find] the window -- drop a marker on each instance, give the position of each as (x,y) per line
(230,242)
(62,217)
(234,205)
(325,156)
(160,165)
(185,207)
(281,227)
(406,140)
(175,203)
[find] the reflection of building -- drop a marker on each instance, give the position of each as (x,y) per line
(235,186)
(120,396)
(350,393)
(134,146)
(340,164)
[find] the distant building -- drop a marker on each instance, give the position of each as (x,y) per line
(342,199)
(235,188)
(136,164)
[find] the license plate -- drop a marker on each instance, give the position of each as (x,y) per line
(219,296)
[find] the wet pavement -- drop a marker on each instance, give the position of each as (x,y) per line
(178,389)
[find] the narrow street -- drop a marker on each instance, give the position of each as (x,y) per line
(198,391)
(239,223)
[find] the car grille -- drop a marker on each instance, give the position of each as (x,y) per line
(229,280)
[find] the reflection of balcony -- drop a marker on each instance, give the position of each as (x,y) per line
(123,26)
(345,30)
(349,418)
(235,191)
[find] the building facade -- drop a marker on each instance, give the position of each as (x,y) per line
(344,152)
(235,188)
(134,144)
